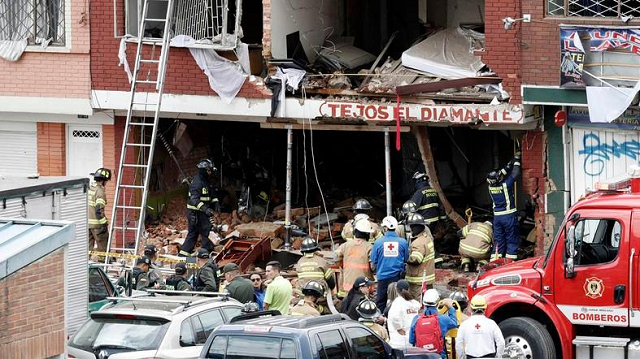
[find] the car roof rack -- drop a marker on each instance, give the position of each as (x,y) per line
(247,316)
(223,295)
(184,303)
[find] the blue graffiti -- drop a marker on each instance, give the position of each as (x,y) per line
(597,154)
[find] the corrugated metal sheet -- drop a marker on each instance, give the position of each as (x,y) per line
(18,153)
(601,154)
(73,207)
(13,209)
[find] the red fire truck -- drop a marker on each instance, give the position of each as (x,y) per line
(581,299)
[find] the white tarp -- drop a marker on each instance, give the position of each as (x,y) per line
(608,103)
(12,50)
(447,54)
(291,78)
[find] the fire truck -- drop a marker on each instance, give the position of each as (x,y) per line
(582,298)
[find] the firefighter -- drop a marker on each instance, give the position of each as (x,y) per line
(420,265)
(98,224)
(506,236)
(178,280)
(354,255)
(427,201)
(475,244)
(479,336)
(403,230)
(200,208)
(369,313)
(154,272)
(312,266)
(207,277)
(312,291)
(362,207)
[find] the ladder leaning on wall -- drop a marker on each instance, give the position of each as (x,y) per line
(134,170)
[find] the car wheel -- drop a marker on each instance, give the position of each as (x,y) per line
(526,338)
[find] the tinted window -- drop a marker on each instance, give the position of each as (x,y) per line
(597,241)
(231,312)
(249,347)
(333,345)
(218,347)
(133,334)
(288,349)
(97,287)
(365,344)
(186,333)
(208,321)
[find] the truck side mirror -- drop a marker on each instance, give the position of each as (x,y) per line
(570,243)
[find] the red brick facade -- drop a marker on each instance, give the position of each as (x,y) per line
(533,179)
(52,149)
(32,310)
(183,75)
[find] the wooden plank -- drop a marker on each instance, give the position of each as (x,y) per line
(446,84)
(422,137)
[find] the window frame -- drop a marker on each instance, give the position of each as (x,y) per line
(322,353)
(104,280)
(600,221)
(565,13)
(350,343)
(194,324)
(229,336)
(56,47)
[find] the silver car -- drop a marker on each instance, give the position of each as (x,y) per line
(153,326)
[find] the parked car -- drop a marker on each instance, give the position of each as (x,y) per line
(152,326)
(100,288)
(262,336)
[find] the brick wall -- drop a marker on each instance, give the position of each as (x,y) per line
(534,173)
(48,74)
(183,75)
(266,28)
(32,310)
(51,149)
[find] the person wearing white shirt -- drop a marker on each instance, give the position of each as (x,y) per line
(479,336)
(401,314)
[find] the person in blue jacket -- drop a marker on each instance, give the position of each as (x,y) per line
(446,322)
(388,257)
(506,233)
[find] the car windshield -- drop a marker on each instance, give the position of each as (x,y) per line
(132,334)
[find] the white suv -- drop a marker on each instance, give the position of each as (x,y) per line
(153,326)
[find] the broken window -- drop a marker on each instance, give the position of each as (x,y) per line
(206,21)
(594,8)
(38,21)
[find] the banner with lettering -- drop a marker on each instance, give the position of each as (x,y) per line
(572,58)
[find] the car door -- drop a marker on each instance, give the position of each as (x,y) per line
(598,292)
(99,289)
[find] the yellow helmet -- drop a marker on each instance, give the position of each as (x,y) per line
(478,303)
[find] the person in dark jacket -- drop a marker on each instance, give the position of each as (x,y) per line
(139,276)
(201,206)
(427,201)
(362,289)
(207,276)
(239,288)
(178,281)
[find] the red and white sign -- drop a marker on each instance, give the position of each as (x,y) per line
(463,113)
(390,249)
(615,317)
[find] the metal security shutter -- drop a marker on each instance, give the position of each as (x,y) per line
(12,208)
(73,207)
(18,151)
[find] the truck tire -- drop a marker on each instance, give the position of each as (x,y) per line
(527,338)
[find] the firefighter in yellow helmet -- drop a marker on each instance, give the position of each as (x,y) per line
(98,224)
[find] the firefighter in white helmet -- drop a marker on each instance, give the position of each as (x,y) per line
(479,336)
(354,255)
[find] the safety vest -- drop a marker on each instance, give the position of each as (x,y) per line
(428,202)
(200,195)
(503,194)
(97,203)
(421,260)
(476,242)
(313,267)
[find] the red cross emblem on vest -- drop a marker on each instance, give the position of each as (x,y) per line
(477,326)
(390,246)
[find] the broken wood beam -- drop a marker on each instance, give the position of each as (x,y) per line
(446,84)
(422,137)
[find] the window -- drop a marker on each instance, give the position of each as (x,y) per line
(231,312)
(186,334)
(138,334)
(218,348)
(38,21)
(205,323)
(97,287)
(288,349)
(593,8)
(365,343)
(253,347)
(597,241)
(331,345)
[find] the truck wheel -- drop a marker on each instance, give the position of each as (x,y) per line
(526,338)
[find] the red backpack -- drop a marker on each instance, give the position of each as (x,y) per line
(428,334)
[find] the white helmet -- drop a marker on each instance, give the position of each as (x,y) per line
(363,225)
(360,216)
(390,222)
(431,298)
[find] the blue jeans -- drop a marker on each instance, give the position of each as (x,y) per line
(506,235)
(381,293)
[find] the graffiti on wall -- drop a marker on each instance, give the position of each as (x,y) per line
(597,153)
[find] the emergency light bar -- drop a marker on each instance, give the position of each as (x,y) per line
(624,183)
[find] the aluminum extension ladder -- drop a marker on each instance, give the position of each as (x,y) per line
(134,171)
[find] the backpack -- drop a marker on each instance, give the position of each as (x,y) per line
(428,334)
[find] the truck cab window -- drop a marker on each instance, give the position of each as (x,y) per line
(597,241)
